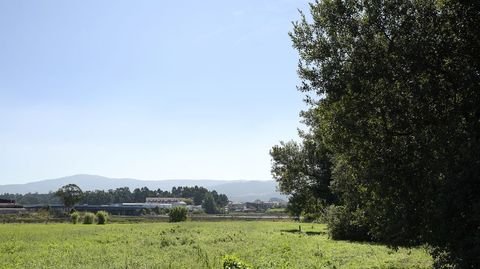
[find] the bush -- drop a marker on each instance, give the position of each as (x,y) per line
(311,217)
(88,218)
(344,224)
(161,211)
(102,217)
(233,262)
(74,217)
(178,214)
(146,211)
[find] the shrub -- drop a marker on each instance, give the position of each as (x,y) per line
(161,211)
(102,217)
(178,214)
(311,217)
(344,224)
(233,262)
(74,217)
(146,211)
(88,218)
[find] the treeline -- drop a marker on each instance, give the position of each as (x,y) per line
(392,149)
(193,195)
(32,198)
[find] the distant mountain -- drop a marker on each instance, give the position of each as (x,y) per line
(236,190)
(244,191)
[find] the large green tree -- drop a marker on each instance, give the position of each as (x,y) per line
(303,171)
(70,195)
(394,95)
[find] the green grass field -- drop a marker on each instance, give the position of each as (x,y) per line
(192,245)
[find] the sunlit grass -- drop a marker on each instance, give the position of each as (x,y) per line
(192,245)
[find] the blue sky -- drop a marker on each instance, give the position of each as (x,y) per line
(146,89)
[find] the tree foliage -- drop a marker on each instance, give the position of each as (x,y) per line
(394,95)
(304,172)
(209,204)
(69,195)
(233,262)
(102,217)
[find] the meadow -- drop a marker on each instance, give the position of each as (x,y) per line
(261,244)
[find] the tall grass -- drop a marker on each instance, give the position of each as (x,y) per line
(74,217)
(102,217)
(88,218)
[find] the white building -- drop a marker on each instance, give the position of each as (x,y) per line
(165,202)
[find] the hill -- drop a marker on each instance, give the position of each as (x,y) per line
(236,190)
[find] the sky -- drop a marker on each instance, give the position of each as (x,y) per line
(146,89)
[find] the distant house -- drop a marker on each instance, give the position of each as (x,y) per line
(241,207)
(235,207)
(124,208)
(255,206)
(7,203)
(195,208)
(165,202)
(10,207)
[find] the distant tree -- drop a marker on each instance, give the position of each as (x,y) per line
(97,197)
(32,198)
(69,195)
(222,200)
(122,195)
(198,198)
(191,195)
(209,204)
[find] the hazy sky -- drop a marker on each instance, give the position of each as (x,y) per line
(145,89)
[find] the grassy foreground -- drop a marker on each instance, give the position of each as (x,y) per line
(192,245)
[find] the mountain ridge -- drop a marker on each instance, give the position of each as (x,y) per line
(236,190)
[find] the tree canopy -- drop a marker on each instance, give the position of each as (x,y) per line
(209,204)
(69,195)
(194,195)
(303,170)
(393,89)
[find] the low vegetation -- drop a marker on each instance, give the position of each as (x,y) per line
(75,217)
(102,217)
(233,262)
(193,245)
(178,214)
(88,218)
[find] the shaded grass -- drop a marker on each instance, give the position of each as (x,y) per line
(192,245)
